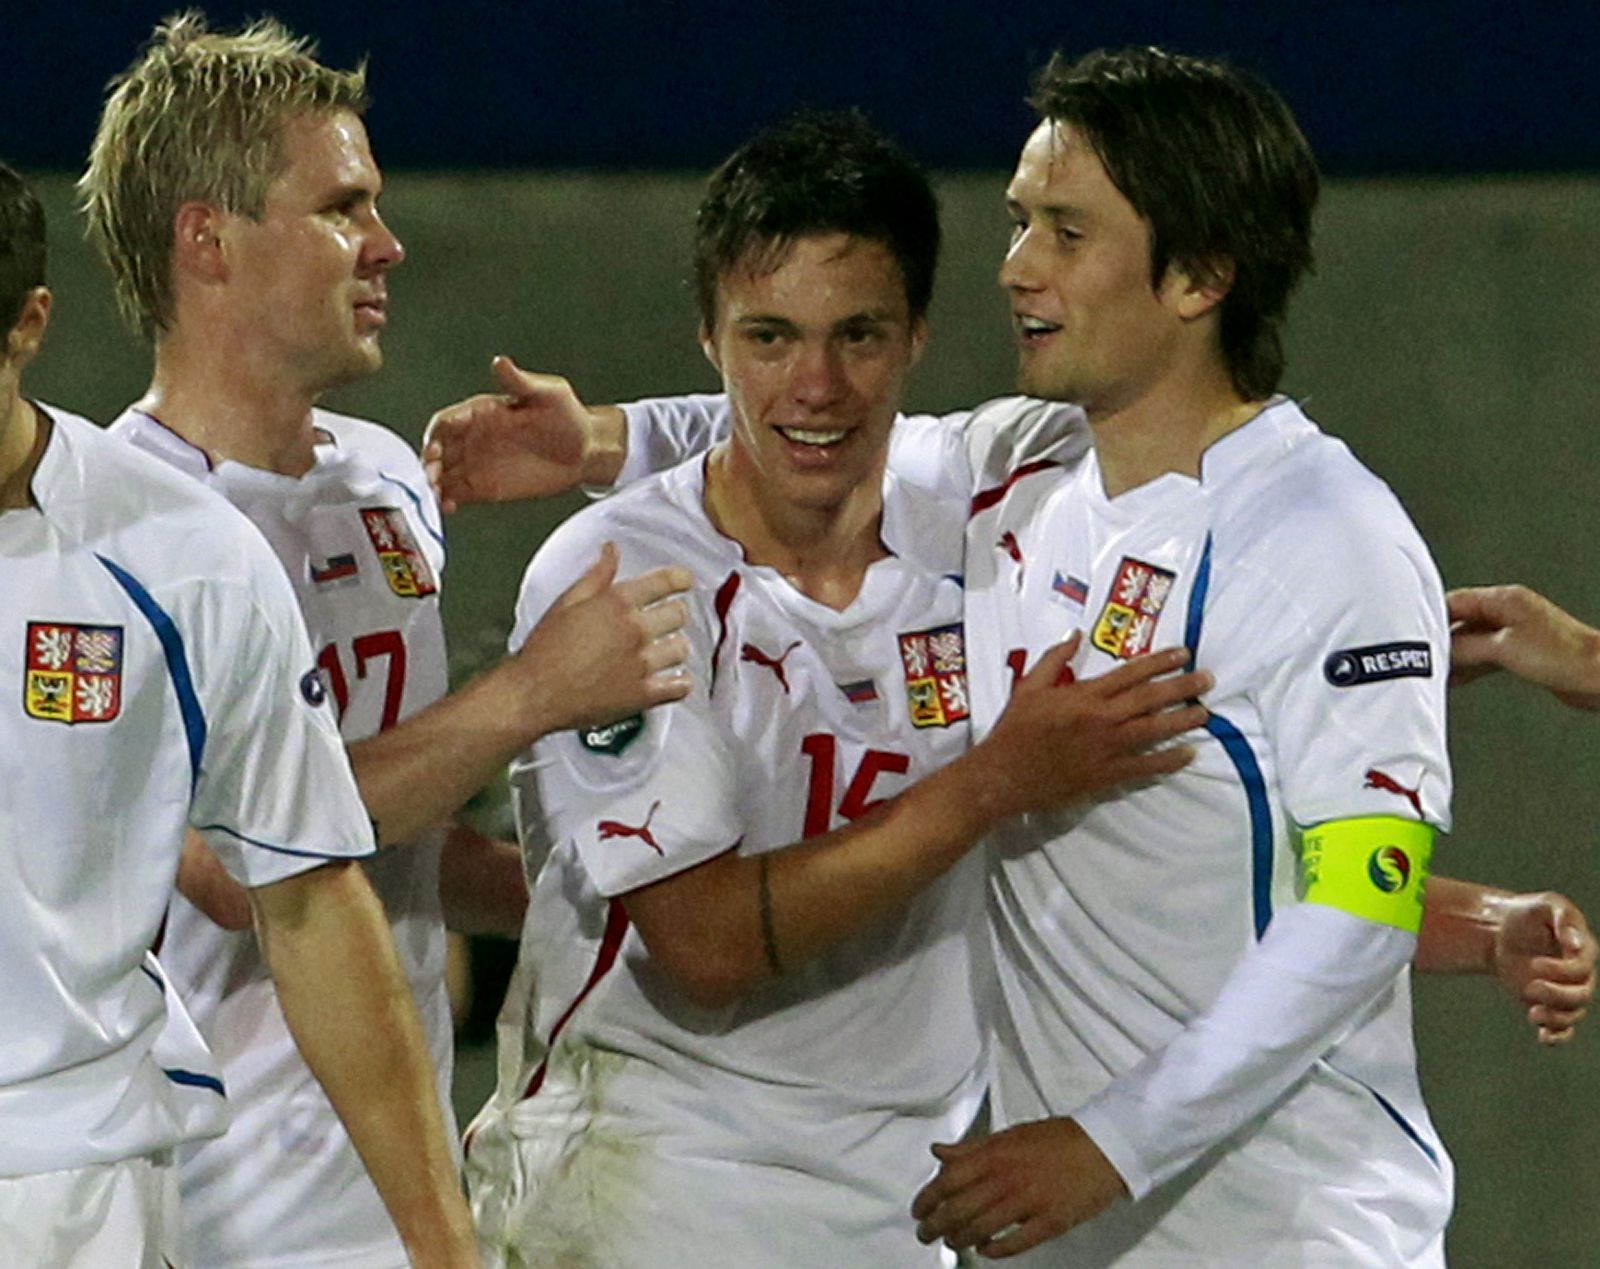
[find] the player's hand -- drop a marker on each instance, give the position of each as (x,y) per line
(1006,1193)
(608,649)
(1544,955)
(204,882)
(532,439)
(1517,629)
(1060,740)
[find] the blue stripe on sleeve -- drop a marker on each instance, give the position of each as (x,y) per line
(194,1079)
(281,850)
(1240,754)
(194,719)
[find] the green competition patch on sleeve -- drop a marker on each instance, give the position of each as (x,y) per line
(613,738)
(1373,867)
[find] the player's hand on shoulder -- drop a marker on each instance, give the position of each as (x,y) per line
(1544,955)
(607,648)
(1011,1191)
(1060,740)
(1518,629)
(532,439)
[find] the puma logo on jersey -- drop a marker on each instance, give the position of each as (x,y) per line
(616,828)
(1383,780)
(749,652)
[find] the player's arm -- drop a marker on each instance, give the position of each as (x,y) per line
(606,649)
(1516,629)
(204,882)
(481,883)
(725,926)
(327,945)
(1537,946)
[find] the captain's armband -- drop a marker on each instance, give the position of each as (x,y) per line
(1373,867)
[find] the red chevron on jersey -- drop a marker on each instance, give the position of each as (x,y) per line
(74,673)
(405,567)
(1126,626)
(935,664)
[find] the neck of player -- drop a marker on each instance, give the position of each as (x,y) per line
(22,438)
(1167,427)
(231,405)
(823,549)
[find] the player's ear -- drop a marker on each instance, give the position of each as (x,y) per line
(1198,287)
(24,338)
(919,338)
(198,242)
(708,345)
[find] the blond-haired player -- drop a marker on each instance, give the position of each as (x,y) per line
(233,192)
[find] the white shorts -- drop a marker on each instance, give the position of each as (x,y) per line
(105,1216)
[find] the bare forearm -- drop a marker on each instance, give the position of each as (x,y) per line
(418,774)
(1458,927)
(481,884)
(347,1003)
(606,448)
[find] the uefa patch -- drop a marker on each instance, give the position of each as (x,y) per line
(613,738)
(74,673)
(1126,626)
(404,566)
(935,664)
(1351,667)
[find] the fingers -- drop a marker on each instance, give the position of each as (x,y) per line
(595,579)
(1140,670)
(654,586)
(1148,696)
(525,387)
(1055,666)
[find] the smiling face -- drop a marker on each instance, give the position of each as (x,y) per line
(814,355)
(309,277)
(1091,328)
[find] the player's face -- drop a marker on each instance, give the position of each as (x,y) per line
(814,356)
(1090,327)
(311,275)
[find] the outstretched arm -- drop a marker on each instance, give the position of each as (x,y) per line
(1539,947)
(607,649)
(724,926)
(1516,629)
(347,1003)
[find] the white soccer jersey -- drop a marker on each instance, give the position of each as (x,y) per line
(359,538)
(632,1128)
(1299,582)
(159,676)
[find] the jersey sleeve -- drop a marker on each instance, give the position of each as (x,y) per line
(274,794)
(642,798)
(1352,683)
(967,452)
(665,431)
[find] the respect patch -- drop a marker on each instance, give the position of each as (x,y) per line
(1351,667)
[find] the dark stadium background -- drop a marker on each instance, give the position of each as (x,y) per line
(544,163)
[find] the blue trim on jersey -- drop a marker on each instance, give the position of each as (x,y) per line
(1400,1120)
(194,1079)
(281,850)
(194,719)
(416,502)
(154,977)
(1242,756)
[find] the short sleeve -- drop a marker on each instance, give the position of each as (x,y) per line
(645,797)
(274,795)
(967,452)
(1352,686)
(665,431)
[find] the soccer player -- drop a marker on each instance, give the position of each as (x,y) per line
(724,1046)
(161,676)
(1173,1014)
(1516,629)
(233,192)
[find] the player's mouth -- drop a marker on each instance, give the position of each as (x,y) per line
(817,438)
(1033,331)
(374,311)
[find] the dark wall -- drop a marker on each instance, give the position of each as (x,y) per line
(1449,335)
(1468,85)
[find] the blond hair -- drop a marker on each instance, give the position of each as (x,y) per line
(198,117)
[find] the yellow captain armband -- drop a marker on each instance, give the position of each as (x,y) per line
(1374,867)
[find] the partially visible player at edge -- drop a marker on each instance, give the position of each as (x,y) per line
(132,599)
(233,192)
(726,1046)
(1161,319)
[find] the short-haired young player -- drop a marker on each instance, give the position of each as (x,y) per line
(726,1045)
(159,677)
(232,189)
